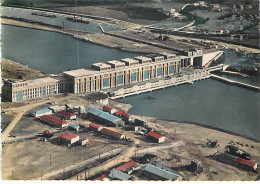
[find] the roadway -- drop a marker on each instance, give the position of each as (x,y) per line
(21,111)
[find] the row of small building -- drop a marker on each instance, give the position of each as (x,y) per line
(124,171)
(68,138)
(156,137)
(56,119)
(112,117)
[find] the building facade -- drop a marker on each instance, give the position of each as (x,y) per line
(16,91)
(100,76)
(126,71)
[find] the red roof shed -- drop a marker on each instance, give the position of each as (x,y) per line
(68,136)
(122,113)
(155,135)
(54,120)
(112,133)
(65,113)
(93,125)
(126,165)
(107,108)
(246,162)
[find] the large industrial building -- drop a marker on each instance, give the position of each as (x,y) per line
(101,76)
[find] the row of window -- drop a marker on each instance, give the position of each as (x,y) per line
(36,92)
(134,76)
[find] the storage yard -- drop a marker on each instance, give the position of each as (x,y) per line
(183,151)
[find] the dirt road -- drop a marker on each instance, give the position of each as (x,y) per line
(21,111)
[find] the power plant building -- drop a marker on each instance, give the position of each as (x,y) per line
(103,76)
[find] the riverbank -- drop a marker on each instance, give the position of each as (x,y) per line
(14,71)
(96,38)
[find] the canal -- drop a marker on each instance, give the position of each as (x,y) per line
(58,21)
(52,52)
(207,102)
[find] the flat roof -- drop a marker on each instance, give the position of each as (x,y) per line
(116,63)
(81,72)
(167,54)
(101,65)
(36,82)
(130,60)
(154,55)
(143,58)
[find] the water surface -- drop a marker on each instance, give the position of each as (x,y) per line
(208,102)
(52,52)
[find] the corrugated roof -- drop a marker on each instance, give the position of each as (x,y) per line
(65,113)
(53,119)
(155,135)
(126,165)
(116,174)
(94,125)
(107,116)
(68,136)
(161,172)
(41,111)
(246,162)
(95,111)
(111,132)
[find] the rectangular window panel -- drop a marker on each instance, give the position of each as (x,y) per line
(120,79)
(19,96)
(171,69)
(147,74)
(159,72)
(105,82)
(43,91)
(133,77)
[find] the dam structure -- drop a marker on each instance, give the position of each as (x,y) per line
(118,78)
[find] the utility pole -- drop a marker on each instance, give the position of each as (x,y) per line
(12,175)
(41,175)
(50,160)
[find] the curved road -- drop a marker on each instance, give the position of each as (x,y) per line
(21,111)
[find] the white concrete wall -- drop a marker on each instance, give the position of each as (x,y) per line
(209,56)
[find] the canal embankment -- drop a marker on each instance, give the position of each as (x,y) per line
(229,81)
(105,40)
